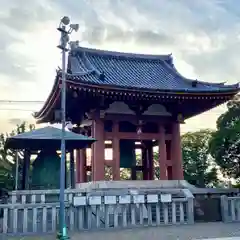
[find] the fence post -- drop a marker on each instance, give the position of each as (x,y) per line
(190,210)
(224,208)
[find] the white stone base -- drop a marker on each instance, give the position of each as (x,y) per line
(151,184)
(128,184)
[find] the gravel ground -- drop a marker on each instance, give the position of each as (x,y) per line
(187,232)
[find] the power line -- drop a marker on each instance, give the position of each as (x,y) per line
(18,101)
(4,101)
(34,110)
(16,109)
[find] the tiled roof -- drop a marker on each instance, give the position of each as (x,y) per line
(43,137)
(153,72)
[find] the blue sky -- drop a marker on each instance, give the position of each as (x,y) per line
(203,35)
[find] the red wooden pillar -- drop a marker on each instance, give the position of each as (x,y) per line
(169,168)
(72,169)
(169,173)
(133,169)
(176,153)
(162,158)
(150,162)
(78,160)
(83,164)
(98,168)
(92,156)
(145,163)
(116,152)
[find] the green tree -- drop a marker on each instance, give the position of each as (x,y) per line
(8,159)
(199,168)
(225,142)
(6,166)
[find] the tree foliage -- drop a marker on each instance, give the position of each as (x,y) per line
(8,159)
(199,167)
(225,143)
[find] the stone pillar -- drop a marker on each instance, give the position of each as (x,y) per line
(176,153)
(98,168)
(116,152)
(162,158)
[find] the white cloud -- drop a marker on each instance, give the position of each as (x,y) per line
(203,36)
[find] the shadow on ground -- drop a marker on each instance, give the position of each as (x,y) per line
(187,232)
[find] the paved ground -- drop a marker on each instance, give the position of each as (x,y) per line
(197,231)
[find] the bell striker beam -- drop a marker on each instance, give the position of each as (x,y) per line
(162,158)
(176,153)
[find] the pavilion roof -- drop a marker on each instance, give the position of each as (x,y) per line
(129,71)
(118,75)
(48,137)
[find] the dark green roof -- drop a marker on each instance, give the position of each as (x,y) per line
(48,137)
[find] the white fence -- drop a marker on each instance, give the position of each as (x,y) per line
(34,215)
(230,209)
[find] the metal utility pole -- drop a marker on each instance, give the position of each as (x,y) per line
(64,40)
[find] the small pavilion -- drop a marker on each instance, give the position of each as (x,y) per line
(120,98)
(44,143)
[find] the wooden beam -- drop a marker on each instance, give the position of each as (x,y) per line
(135,119)
(108,163)
(88,168)
(142,136)
(169,163)
(137,146)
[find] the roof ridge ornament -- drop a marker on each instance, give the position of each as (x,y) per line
(89,65)
(194,83)
(102,76)
(74,45)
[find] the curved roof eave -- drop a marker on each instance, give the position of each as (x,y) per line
(76,80)
(51,98)
(219,84)
(55,94)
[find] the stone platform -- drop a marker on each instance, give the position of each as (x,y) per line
(163,185)
(207,201)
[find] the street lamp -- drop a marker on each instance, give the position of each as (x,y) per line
(64,40)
